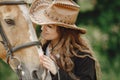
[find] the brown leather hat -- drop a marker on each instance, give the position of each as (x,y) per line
(60,12)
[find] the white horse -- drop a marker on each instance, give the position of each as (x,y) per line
(19,44)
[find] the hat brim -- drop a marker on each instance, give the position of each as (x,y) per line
(38,16)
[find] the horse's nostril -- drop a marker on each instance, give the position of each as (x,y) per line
(34,74)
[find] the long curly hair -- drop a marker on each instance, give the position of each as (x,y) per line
(70,42)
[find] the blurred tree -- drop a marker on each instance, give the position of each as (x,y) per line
(6,73)
(106,15)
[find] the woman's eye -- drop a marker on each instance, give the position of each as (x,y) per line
(49,26)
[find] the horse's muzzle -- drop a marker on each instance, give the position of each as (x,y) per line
(25,73)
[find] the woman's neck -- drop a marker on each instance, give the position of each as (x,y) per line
(54,44)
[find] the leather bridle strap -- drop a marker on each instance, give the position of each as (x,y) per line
(34,43)
(12,2)
(5,41)
(10,49)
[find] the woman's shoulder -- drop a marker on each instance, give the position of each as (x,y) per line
(83,56)
(80,53)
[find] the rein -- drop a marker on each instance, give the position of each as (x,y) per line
(10,49)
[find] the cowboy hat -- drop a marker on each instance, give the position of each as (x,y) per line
(60,12)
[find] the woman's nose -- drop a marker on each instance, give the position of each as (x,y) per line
(43,28)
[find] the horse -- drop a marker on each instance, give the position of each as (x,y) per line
(19,45)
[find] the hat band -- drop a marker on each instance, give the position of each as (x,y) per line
(58,17)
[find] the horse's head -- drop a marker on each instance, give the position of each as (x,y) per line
(21,49)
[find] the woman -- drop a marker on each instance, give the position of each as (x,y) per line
(67,54)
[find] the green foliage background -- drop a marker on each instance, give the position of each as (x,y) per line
(101,18)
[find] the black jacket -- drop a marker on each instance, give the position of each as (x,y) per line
(84,69)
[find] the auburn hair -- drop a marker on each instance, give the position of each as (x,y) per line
(71,41)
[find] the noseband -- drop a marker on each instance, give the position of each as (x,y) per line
(7,45)
(12,3)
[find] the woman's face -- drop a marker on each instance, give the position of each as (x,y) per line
(49,32)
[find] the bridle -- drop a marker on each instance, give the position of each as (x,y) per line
(10,49)
(12,2)
(7,45)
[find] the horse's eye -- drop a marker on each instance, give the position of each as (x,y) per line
(10,21)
